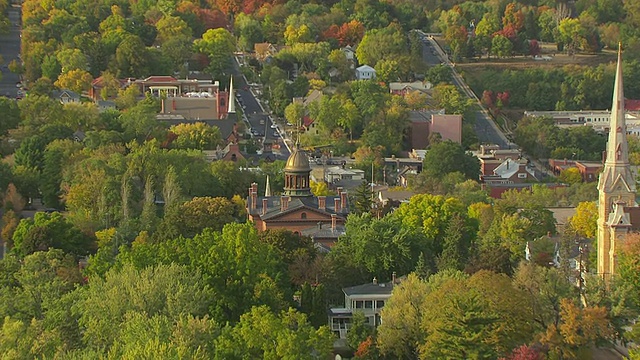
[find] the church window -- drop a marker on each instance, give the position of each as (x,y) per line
(303,216)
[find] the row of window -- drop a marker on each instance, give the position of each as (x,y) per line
(367,304)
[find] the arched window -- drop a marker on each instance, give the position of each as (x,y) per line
(303,216)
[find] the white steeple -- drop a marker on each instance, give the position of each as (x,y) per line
(232,98)
(267,189)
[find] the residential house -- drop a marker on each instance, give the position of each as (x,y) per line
(510,171)
(66,96)
(349,53)
(365,72)
(265,51)
(335,174)
(366,298)
(105,105)
(308,124)
(497,189)
(552,251)
(394,198)
(589,170)
(403,88)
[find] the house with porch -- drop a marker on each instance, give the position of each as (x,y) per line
(367,298)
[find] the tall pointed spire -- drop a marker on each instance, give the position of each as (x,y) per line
(232,98)
(617,147)
(267,189)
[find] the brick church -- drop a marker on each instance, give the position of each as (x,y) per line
(320,217)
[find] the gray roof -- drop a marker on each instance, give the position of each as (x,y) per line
(370,289)
(324,232)
(310,202)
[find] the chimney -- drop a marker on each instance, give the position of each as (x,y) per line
(249,200)
(336,204)
(254,187)
(334,219)
(375,281)
(393,277)
(322,202)
(339,190)
(343,200)
(254,200)
(265,205)
(284,203)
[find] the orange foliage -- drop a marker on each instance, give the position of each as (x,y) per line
(347,34)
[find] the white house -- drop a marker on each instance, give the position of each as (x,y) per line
(66,96)
(365,72)
(367,298)
(337,173)
(349,52)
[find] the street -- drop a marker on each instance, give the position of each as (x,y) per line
(258,118)
(486,129)
(10,50)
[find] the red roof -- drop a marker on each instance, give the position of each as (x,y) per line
(306,121)
(632,105)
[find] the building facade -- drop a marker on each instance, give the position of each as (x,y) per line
(617,207)
(297,209)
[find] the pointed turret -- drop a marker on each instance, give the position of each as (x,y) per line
(617,148)
(232,98)
(267,189)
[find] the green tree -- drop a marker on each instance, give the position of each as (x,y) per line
(170,290)
(456,245)
(46,231)
(400,333)
(196,136)
(131,58)
(362,200)
(265,335)
(447,157)
(501,46)
(218,45)
(360,330)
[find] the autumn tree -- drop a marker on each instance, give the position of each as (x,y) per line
(196,136)
(584,221)
(75,80)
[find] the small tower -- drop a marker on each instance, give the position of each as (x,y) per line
(616,186)
(296,174)
(232,98)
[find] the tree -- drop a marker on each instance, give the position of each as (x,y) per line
(11,115)
(360,330)
(570,176)
(501,46)
(294,113)
(196,136)
(218,45)
(400,334)
(75,80)
(131,58)
(262,334)
(447,157)
(363,199)
(439,74)
(480,317)
(448,97)
(578,329)
(584,222)
(72,59)
(456,245)
(170,290)
(46,231)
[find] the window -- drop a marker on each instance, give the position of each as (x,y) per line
(303,216)
(359,304)
(379,304)
(368,304)
(522,176)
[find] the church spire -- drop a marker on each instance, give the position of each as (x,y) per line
(232,98)
(617,148)
(267,189)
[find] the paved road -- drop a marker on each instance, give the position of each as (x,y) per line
(10,49)
(486,129)
(256,115)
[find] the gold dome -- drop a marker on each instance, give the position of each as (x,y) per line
(297,162)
